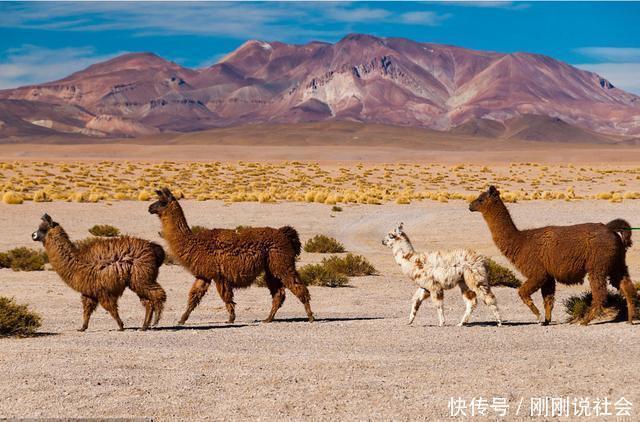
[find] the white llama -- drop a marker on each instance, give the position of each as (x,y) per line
(435,272)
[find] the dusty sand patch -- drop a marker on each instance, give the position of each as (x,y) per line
(359,361)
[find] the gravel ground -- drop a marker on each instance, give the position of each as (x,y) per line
(358,361)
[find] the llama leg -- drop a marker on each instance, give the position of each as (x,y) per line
(158,298)
(598,285)
(470,301)
(276,288)
(630,293)
(148,313)
(111,306)
(198,290)
(525,291)
(89,305)
(489,299)
(438,300)
(548,295)
(225,291)
(420,295)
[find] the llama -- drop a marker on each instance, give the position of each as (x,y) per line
(563,254)
(436,272)
(102,268)
(232,258)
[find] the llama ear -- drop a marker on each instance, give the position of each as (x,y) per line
(400,228)
(168,193)
(493,191)
(47,219)
(159,193)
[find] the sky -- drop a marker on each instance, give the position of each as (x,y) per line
(44,41)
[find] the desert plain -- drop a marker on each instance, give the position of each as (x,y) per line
(360,359)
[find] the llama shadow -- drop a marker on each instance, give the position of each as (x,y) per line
(504,323)
(42,334)
(329,319)
(191,327)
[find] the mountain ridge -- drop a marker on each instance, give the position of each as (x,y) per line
(362,78)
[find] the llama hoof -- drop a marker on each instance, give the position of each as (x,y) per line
(230,321)
(499,324)
(143,328)
(543,323)
(460,324)
(312,318)
(120,328)
(268,320)
(82,329)
(181,322)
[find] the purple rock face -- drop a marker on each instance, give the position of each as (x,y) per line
(362,78)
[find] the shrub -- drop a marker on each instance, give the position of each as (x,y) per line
(23,259)
(323,244)
(336,208)
(241,227)
(198,229)
(351,265)
(5,260)
(17,320)
(104,230)
(41,196)
(87,241)
(12,198)
(144,195)
(321,275)
(501,276)
(577,306)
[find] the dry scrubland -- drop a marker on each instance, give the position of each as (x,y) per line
(42,181)
(358,361)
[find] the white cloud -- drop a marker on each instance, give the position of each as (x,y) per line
(611,54)
(31,64)
(621,75)
(284,21)
(422,18)
(513,5)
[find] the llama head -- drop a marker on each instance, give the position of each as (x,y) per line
(485,200)
(165,197)
(395,236)
(44,227)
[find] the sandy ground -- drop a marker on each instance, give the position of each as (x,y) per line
(484,152)
(358,361)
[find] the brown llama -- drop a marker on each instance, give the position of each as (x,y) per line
(563,254)
(102,268)
(232,258)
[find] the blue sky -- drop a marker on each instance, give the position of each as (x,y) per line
(45,41)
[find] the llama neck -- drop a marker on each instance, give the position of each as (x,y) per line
(503,229)
(175,229)
(62,255)
(403,252)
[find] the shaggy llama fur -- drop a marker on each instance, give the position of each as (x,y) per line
(438,271)
(563,254)
(103,268)
(232,258)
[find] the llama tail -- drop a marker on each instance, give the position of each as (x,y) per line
(622,228)
(293,237)
(158,251)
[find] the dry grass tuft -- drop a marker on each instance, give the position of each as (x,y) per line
(23,259)
(17,320)
(577,306)
(501,276)
(350,265)
(104,230)
(323,244)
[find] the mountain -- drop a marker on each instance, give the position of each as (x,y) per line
(361,78)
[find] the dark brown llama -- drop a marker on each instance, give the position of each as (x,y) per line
(101,269)
(232,258)
(561,253)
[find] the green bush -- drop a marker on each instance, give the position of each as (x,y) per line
(577,306)
(17,320)
(501,276)
(323,244)
(321,275)
(336,208)
(23,259)
(86,242)
(104,230)
(350,265)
